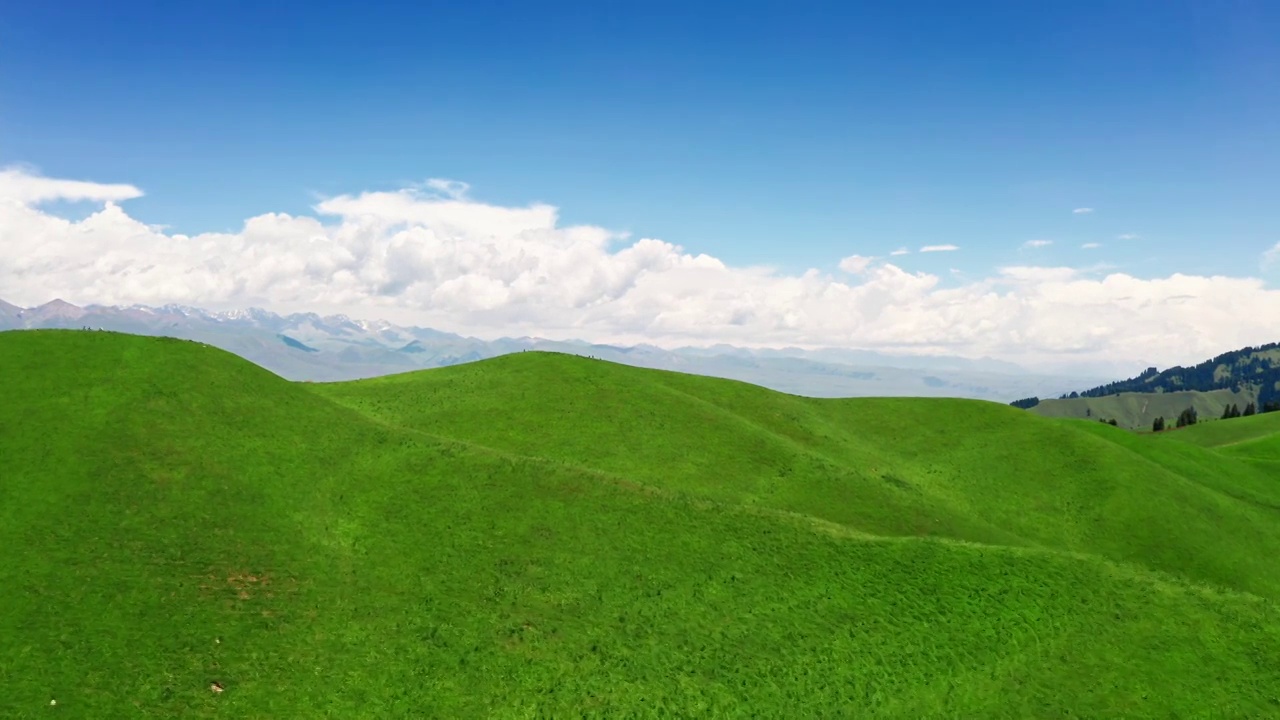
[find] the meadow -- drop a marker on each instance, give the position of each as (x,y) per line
(543,535)
(1138,410)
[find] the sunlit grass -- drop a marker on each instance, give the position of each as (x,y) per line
(541,535)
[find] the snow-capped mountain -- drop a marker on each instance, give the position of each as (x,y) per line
(307,346)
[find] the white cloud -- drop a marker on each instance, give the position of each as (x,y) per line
(1034,274)
(1272,256)
(1127,236)
(1037,243)
(939,248)
(856,264)
(452,189)
(1082,211)
(1091,246)
(900,251)
(430,256)
(18,184)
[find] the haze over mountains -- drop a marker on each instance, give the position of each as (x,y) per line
(307,346)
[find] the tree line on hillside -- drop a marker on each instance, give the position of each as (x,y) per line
(1185,418)
(1233,411)
(1245,367)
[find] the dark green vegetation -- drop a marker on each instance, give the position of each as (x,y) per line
(546,535)
(1237,379)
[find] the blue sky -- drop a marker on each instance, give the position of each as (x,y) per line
(762,134)
(789,134)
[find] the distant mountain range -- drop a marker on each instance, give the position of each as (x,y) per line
(307,346)
(1248,376)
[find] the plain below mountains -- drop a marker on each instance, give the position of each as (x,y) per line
(307,346)
(544,535)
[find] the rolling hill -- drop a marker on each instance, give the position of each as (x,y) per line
(1239,377)
(543,534)
(1255,438)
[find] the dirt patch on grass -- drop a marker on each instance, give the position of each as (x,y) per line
(244,585)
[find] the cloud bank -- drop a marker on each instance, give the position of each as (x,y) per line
(431,256)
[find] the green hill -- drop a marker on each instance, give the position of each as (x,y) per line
(1255,439)
(1229,434)
(1137,411)
(964,469)
(545,535)
(1241,377)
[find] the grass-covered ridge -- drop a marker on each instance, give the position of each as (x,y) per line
(1138,411)
(542,534)
(1248,376)
(968,470)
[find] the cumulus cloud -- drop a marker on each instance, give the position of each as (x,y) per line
(856,264)
(1037,243)
(1091,246)
(939,248)
(1082,211)
(900,251)
(1127,236)
(431,256)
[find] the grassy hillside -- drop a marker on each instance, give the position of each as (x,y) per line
(1255,438)
(1239,377)
(963,469)
(1235,432)
(540,535)
(1136,411)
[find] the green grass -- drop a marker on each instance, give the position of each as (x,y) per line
(1137,411)
(547,536)
(1234,432)
(1255,438)
(966,470)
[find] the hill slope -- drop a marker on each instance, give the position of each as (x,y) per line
(1239,377)
(174,515)
(1256,439)
(964,469)
(1137,411)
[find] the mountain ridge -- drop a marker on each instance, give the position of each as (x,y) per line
(347,349)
